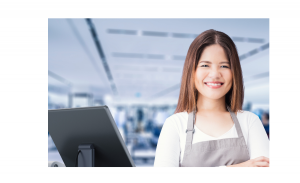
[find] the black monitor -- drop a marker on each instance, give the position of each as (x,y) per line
(88,135)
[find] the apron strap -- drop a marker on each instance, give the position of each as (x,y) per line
(236,122)
(189,133)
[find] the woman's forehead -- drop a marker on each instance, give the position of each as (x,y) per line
(213,53)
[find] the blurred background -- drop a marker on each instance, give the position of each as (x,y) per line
(134,66)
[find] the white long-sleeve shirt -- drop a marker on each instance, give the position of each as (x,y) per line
(171,142)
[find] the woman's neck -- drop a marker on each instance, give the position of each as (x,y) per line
(211,105)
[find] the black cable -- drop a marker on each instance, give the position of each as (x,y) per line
(76,164)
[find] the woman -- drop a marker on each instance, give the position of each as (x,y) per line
(209,128)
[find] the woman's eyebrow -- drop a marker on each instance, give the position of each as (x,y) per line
(205,62)
(225,62)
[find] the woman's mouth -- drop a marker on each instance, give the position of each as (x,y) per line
(213,85)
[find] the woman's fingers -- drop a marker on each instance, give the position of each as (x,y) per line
(261,164)
(262,158)
(257,162)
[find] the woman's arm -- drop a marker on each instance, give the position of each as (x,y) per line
(258,141)
(258,145)
(257,162)
(168,146)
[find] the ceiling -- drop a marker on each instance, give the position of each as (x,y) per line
(143,58)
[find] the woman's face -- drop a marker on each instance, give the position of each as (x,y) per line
(213,77)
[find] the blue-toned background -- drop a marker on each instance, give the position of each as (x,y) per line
(136,70)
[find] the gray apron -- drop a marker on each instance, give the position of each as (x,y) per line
(213,153)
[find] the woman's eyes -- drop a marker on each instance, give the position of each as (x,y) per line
(223,66)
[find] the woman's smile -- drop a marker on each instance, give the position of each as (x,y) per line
(214,84)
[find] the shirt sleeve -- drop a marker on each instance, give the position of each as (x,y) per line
(168,146)
(258,142)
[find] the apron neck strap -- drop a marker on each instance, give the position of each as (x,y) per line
(191,121)
(236,122)
(189,132)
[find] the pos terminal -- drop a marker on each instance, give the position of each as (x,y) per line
(88,137)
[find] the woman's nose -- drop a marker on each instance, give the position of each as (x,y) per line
(214,73)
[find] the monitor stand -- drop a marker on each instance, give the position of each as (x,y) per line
(86,155)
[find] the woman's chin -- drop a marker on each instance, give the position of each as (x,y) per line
(214,97)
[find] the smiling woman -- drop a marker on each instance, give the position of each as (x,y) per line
(211,98)
(214,48)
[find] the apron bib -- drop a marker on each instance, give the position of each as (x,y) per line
(214,153)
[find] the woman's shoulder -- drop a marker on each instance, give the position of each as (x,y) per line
(247,117)
(178,117)
(247,114)
(177,120)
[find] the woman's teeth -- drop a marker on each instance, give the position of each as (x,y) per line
(214,84)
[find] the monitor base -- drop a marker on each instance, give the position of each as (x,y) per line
(86,157)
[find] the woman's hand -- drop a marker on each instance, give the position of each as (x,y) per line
(257,162)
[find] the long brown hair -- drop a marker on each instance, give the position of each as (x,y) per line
(188,93)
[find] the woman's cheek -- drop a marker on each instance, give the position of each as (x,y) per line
(198,79)
(228,75)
